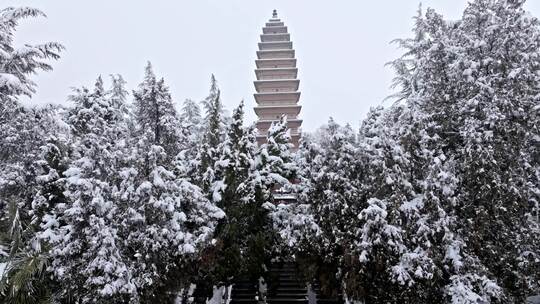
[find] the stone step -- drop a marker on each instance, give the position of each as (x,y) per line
(244,291)
(244,280)
(289,289)
(287,292)
(285,286)
(339,295)
(289,295)
(287,301)
(243,296)
(245,288)
(290,284)
(242,301)
(328,301)
(287,279)
(250,284)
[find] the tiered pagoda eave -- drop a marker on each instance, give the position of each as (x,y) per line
(277,86)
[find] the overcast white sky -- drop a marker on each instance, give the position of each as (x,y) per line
(341,47)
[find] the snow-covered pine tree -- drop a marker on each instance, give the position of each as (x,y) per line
(500,96)
(235,163)
(233,192)
(331,174)
(46,208)
(50,199)
(210,99)
(274,163)
(395,235)
(295,223)
(296,231)
(191,112)
(335,194)
(165,220)
(214,135)
(17,64)
(156,115)
(23,131)
(273,170)
(192,124)
(20,180)
(118,95)
(87,252)
(212,104)
(474,82)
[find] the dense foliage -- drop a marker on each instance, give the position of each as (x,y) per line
(435,199)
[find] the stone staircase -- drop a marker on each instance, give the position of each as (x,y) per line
(245,291)
(284,286)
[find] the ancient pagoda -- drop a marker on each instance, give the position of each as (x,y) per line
(277,84)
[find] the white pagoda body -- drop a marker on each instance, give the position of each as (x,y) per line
(277,84)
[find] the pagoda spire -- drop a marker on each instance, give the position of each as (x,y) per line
(277,84)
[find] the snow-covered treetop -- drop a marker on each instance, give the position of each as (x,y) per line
(17,64)
(191,112)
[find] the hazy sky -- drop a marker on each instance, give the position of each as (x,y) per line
(341,47)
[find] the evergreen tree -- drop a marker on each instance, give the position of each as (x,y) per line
(191,113)
(331,176)
(214,111)
(473,84)
(235,162)
(23,131)
(274,164)
(435,200)
(214,134)
(87,255)
(118,95)
(191,120)
(273,170)
(155,113)
(235,195)
(167,221)
(16,64)
(25,186)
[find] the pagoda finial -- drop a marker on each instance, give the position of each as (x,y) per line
(274,14)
